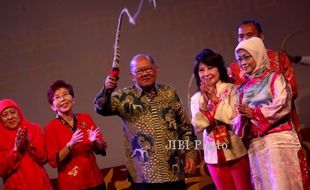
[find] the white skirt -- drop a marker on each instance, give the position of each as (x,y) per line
(274,161)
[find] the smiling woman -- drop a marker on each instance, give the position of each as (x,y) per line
(22,150)
(264,117)
(10,118)
(246,62)
(72,139)
(212,108)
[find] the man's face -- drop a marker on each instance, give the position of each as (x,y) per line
(247,31)
(143,73)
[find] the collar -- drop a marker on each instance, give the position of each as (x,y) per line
(140,91)
(72,128)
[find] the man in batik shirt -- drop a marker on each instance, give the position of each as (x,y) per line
(155,126)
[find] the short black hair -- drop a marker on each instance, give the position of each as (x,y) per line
(210,58)
(254,22)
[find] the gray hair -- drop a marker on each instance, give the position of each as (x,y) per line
(146,56)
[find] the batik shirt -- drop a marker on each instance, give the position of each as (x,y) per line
(151,123)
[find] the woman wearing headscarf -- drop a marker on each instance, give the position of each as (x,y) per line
(22,150)
(72,141)
(264,122)
(213,108)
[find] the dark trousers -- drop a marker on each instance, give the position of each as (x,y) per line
(176,185)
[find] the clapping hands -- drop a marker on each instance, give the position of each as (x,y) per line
(208,90)
(21,139)
(245,111)
(76,138)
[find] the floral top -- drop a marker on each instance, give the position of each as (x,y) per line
(79,169)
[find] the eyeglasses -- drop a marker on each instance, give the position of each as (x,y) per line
(140,71)
(64,96)
(245,58)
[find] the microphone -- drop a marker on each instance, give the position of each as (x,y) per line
(303,60)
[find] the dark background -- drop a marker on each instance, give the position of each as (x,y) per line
(42,41)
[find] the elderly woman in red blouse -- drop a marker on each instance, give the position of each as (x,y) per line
(72,139)
(22,150)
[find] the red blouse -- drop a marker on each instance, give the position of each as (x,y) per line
(79,169)
(22,170)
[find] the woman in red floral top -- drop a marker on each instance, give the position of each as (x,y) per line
(72,139)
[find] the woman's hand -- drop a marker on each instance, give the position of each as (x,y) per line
(245,111)
(76,138)
(208,91)
(92,136)
(21,139)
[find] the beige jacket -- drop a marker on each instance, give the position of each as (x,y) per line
(225,112)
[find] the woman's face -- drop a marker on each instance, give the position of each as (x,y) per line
(10,118)
(246,61)
(209,74)
(62,101)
